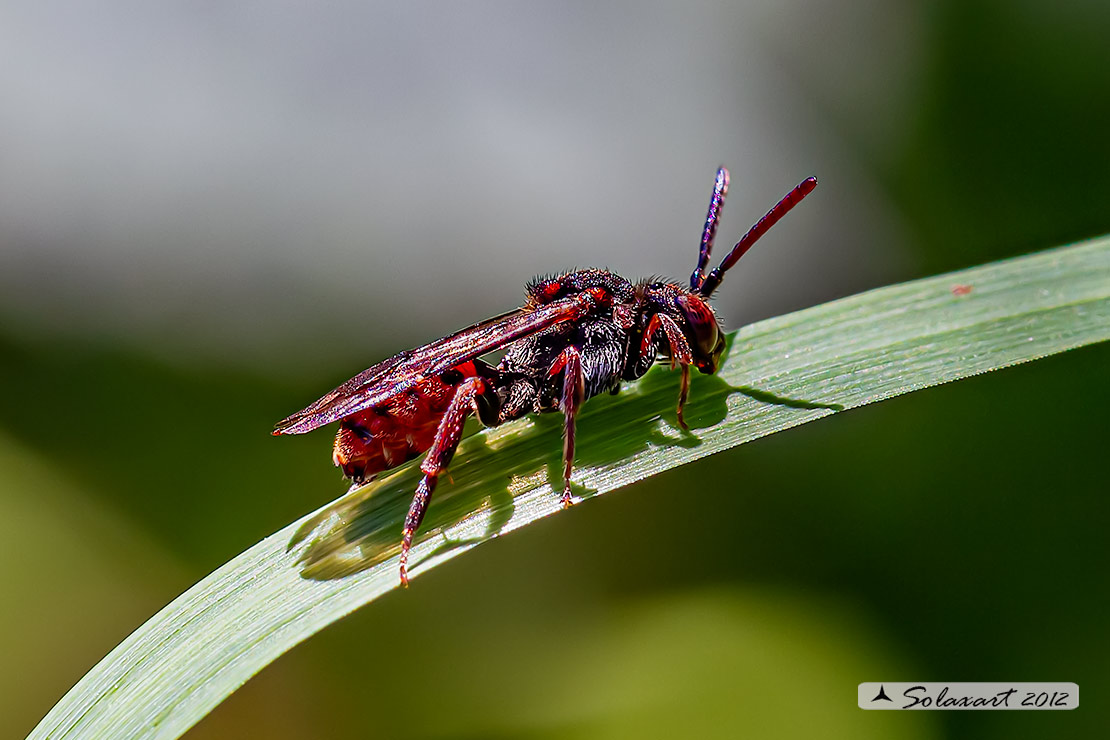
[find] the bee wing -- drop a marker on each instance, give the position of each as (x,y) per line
(377,384)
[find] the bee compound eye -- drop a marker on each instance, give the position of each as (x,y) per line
(702,328)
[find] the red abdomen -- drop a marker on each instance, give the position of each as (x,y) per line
(400,429)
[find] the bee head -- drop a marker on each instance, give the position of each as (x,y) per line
(699,323)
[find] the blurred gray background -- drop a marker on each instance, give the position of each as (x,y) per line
(210,213)
(224,182)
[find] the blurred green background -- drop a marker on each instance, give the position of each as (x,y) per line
(210,214)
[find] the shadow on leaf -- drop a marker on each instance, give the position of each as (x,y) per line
(494,467)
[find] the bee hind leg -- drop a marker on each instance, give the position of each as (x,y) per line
(469,397)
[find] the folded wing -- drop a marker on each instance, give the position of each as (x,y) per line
(379,383)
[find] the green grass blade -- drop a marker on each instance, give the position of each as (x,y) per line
(781,373)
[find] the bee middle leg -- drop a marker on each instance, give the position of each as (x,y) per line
(569,362)
(472,395)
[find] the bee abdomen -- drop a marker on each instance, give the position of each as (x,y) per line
(386,436)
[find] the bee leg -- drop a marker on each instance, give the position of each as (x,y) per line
(439,455)
(680,354)
(683,395)
(574,392)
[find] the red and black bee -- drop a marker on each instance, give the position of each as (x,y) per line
(576,336)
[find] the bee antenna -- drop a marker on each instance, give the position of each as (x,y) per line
(780,209)
(712,218)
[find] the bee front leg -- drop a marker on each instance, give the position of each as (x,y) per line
(465,401)
(683,394)
(569,362)
(680,354)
